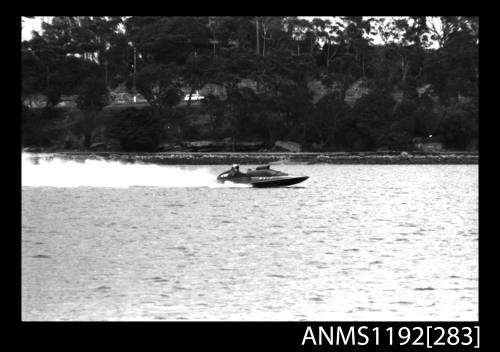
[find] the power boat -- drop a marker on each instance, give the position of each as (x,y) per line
(262,176)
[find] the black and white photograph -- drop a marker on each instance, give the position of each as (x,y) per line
(249,168)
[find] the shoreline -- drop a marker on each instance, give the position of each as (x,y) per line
(258,158)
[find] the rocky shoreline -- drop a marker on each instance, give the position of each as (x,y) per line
(256,158)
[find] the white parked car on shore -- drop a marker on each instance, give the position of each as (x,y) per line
(194,97)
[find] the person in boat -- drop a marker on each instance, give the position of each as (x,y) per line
(235,170)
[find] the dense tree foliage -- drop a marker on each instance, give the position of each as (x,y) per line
(326,120)
(421,77)
(137,130)
(93,96)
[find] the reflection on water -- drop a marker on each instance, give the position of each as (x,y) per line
(354,242)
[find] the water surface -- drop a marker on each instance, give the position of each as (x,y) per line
(354,242)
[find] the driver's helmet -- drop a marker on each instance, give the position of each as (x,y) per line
(236,166)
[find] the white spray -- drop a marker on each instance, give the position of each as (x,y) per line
(43,170)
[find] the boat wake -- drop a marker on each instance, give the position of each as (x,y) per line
(45,170)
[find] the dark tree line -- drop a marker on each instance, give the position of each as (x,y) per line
(432,63)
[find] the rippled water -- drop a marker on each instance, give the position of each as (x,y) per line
(354,242)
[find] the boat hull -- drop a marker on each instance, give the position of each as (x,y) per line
(261,182)
(285,181)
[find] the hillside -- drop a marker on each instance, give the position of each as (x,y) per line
(271,81)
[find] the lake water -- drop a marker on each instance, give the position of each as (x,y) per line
(109,241)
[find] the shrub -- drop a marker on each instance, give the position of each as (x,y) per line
(395,138)
(373,114)
(137,130)
(459,125)
(35,131)
(326,119)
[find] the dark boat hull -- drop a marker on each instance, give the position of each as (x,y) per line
(279,182)
(262,182)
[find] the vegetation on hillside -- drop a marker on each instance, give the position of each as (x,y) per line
(421,80)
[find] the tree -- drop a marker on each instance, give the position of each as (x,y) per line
(296,29)
(452,70)
(215,109)
(91,38)
(46,57)
(413,119)
(270,29)
(294,101)
(93,95)
(165,40)
(373,116)
(119,61)
(394,33)
(136,129)
(241,104)
(160,85)
(459,125)
(30,76)
(325,117)
(194,73)
(356,40)
(443,28)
